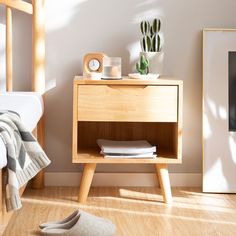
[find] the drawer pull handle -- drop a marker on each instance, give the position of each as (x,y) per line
(127,86)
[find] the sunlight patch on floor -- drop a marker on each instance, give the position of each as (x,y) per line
(128,212)
(127,193)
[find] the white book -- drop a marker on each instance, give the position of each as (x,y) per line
(134,156)
(126,147)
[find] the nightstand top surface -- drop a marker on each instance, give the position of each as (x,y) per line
(127,81)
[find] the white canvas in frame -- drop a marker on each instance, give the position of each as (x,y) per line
(219,144)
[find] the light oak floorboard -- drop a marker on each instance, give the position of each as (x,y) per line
(135,211)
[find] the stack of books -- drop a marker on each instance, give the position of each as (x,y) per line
(127,149)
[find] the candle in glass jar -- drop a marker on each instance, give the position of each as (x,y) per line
(112,67)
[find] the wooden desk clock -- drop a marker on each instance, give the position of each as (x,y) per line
(93,63)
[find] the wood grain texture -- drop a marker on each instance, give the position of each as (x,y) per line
(158,134)
(219,29)
(4,215)
(86,181)
(91,156)
(163,177)
(8,49)
(88,57)
(38,80)
(38,49)
(178,137)
(75,122)
(82,80)
(127,103)
(18,5)
(38,181)
(134,211)
(127,110)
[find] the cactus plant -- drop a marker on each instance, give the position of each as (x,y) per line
(151,41)
(145,27)
(143,65)
(146,43)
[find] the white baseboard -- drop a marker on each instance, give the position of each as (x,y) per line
(123,179)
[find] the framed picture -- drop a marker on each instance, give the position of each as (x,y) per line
(219,110)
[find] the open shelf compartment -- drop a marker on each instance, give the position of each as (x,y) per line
(162,135)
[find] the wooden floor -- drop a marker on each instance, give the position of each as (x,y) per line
(135,211)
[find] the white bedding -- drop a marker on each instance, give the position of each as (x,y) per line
(28,105)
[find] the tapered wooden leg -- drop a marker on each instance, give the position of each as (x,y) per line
(163,177)
(86,181)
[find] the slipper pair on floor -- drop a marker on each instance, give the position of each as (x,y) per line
(79,223)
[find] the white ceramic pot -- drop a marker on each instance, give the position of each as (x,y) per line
(155,61)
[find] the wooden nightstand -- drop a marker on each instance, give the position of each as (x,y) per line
(127,109)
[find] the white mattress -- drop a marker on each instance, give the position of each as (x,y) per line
(28,105)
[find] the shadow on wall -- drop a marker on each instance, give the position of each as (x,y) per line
(73,28)
(223,156)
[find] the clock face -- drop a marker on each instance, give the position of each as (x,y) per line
(94,64)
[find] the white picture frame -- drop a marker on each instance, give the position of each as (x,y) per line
(219,144)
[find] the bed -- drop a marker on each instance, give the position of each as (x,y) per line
(29,105)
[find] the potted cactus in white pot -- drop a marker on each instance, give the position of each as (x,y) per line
(152,46)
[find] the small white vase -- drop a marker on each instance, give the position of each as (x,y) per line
(155,61)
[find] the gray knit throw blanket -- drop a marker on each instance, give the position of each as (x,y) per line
(25,157)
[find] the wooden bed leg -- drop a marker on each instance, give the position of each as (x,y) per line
(86,181)
(38,180)
(164,180)
(38,82)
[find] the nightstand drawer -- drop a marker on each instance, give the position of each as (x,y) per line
(138,103)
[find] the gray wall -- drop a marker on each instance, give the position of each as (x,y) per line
(75,27)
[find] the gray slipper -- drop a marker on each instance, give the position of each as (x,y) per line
(83,224)
(55,223)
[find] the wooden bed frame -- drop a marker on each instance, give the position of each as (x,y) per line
(37,9)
